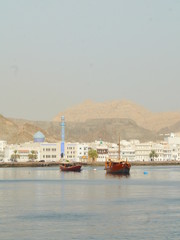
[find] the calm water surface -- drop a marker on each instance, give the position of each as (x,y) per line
(44,203)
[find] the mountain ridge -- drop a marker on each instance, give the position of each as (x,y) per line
(119,109)
(90,121)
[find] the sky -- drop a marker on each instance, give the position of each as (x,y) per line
(55,54)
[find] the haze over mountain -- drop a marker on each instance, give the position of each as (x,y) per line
(88,131)
(120,109)
(90,121)
(19,131)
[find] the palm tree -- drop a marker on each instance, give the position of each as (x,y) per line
(33,155)
(153,155)
(15,156)
(92,154)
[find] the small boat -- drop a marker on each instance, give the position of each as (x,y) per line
(114,167)
(70,167)
(117,166)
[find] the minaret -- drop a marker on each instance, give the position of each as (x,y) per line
(62,136)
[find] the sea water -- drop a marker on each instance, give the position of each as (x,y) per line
(44,203)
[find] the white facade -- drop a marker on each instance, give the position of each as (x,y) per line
(133,150)
(44,151)
(142,151)
(50,152)
(3,145)
(128,154)
(172,139)
(23,151)
(71,151)
(82,152)
(113,151)
(159,149)
(77,152)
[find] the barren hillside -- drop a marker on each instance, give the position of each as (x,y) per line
(120,109)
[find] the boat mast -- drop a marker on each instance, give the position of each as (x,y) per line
(119,149)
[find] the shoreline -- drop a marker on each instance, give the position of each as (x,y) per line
(53,164)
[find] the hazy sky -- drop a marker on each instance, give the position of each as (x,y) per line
(57,53)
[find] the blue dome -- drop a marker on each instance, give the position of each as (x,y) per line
(39,137)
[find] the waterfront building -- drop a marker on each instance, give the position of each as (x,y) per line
(128,154)
(50,152)
(82,152)
(167,153)
(3,145)
(142,151)
(159,149)
(113,151)
(43,151)
(102,151)
(77,152)
(131,150)
(172,139)
(22,151)
(71,151)
(172,147)
(101,148)
(178,152)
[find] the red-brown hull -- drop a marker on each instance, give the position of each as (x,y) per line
(71,168)
(118,168)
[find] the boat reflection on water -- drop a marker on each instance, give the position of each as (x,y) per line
(114,175)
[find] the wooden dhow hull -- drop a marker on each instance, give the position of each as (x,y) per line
(70,168)
(118,168)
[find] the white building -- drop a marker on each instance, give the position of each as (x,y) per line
(71,151)
(128,154)
(3,145)
(77,152)
(159,149)
(142,151)
(172,150)
(82,152)
(43,151)
(113,151)
(22,151)
(50,152)
(102,151)
(172,139)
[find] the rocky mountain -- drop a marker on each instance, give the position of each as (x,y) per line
(108,130)
(175,128)
(7,128)
(90,121)
(19,131)
(119,109)
(93,129)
